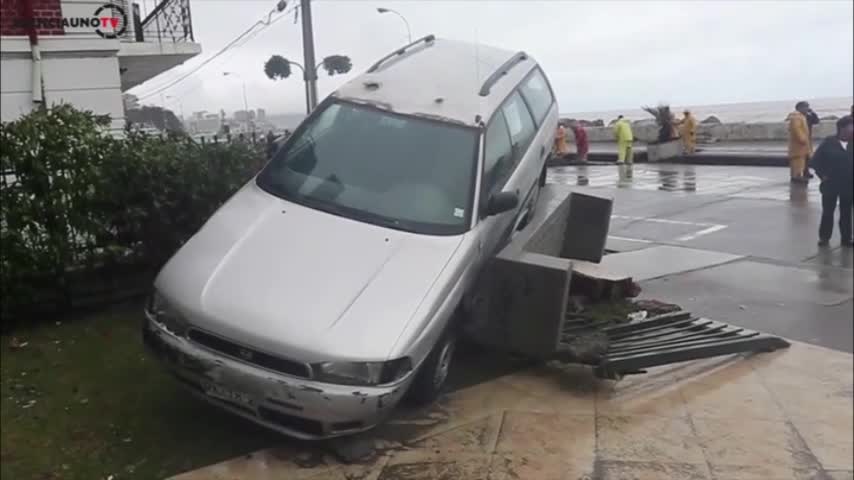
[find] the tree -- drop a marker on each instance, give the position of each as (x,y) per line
(278,67)
(337,64)
(664,119)
(163,119)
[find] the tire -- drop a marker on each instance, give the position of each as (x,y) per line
(433,373)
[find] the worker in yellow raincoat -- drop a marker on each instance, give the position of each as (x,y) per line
(800,145)
(624,136)
(688,131)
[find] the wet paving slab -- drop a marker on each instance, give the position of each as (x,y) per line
(784,415)
(785,284)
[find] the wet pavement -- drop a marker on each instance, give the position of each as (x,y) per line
(756,148)
(777,280)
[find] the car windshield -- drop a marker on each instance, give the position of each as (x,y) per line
(363,163)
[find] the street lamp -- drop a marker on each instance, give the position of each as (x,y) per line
(245,103)
(388,10)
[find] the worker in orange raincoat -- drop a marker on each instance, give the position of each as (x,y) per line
(800,145)
(560,148)
(688,131)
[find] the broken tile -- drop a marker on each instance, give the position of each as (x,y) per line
(478,436)
(270,464)
(572,436)
(765,472)
(803,365)
(752,448)
(554,388)
(424,465)
(825,403)
(514,466)
(730,400)
(831,444)
(665,401)
(480,401)
(615,470)
(363,471)
(647,438)
(841,475)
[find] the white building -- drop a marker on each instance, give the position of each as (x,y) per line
(86,52)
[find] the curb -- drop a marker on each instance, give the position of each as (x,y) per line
(735,160)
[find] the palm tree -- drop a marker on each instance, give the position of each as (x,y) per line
(664,120)
(279,67)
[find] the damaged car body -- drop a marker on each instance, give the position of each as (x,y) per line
(334,284)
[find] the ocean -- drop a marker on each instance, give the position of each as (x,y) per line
(752,112)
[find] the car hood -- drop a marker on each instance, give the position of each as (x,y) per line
(299,282)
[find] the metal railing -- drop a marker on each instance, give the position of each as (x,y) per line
(170,21)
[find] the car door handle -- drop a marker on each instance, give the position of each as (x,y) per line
(542,151)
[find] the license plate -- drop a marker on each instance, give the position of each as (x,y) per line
(224,393)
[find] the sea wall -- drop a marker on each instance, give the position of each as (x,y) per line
(710,133)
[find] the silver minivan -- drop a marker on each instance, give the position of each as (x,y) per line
(333,284)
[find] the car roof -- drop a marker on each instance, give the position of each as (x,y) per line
(441,79)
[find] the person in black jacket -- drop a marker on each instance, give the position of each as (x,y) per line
(834,164)
(812,120)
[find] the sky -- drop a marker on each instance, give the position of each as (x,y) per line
(598,55)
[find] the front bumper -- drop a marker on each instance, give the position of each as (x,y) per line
(296,407)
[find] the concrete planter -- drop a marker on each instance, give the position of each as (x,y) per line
(660,152)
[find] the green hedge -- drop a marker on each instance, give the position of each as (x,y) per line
(81,202)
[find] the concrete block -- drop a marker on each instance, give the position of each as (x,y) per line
(524,306)
(586,230)
(658,152)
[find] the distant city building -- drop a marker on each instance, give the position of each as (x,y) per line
(244,116)
(261,115)
(210,123)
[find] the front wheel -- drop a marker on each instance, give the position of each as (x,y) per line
(433,374)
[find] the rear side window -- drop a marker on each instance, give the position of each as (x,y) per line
(520,124)
(497,157)
(537,93)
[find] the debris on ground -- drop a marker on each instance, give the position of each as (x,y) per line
(352,449)
(584,334)
(655,307)
(15,343)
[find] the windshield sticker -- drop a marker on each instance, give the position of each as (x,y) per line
(459,212)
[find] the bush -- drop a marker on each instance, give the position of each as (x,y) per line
(82,200)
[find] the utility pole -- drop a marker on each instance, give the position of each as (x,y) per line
(309,70)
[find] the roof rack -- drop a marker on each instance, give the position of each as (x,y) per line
(428,40)
(501,71)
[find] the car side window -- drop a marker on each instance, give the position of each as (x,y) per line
(520,124)
(537,93)
(497,157)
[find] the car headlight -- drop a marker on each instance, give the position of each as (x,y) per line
(361,373)
(161,312)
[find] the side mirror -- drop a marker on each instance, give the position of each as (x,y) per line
(501,202)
